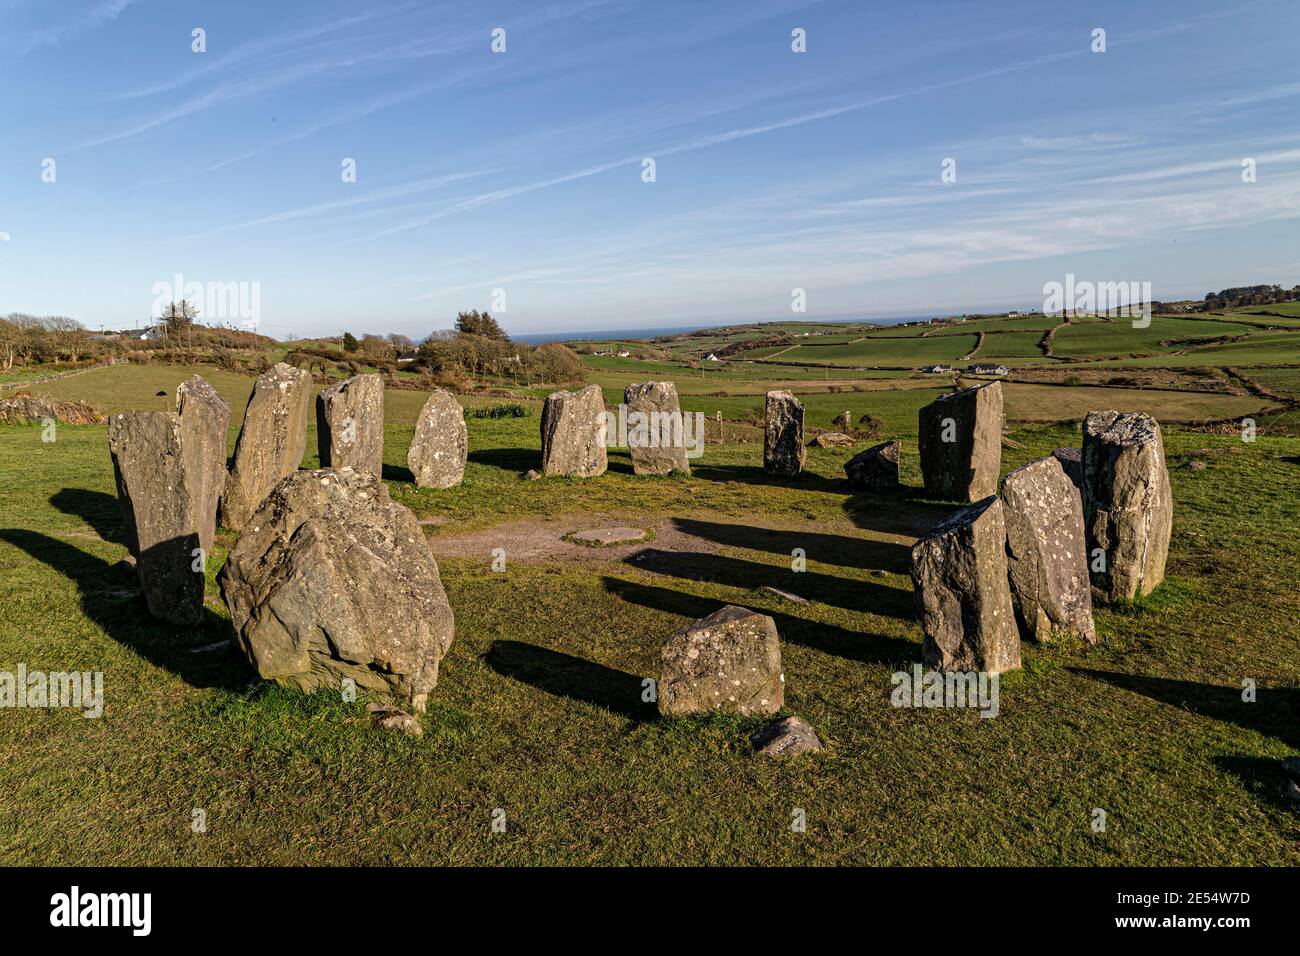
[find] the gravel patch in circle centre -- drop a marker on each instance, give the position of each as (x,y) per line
(606,537)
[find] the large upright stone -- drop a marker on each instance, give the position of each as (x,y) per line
(656,439)
(332,580)
(440,445)
(729,661)
(1046,552)
(875,469)
(959,571)
(783,448)
(1127,504)
(350,424)
(573,433)
(960,441)
(159,512)
(205,422)
(271,441)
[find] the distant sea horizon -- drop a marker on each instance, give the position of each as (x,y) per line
(605,335)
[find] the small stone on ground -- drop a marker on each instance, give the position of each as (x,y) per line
(792,735)
(399,721)
(785,594)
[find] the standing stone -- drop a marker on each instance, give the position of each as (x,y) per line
(729,661)
(159,512)
(1046,552)
(844,422)
(959,571)
(350,424)
(205,423)
(332,580)
(271,441)
(1127,504)
(960,441)
(573,433)
(440,444)
(655,437)
(1071,460)
(876,468)
(783,449)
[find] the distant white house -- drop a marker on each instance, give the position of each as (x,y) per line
(937,369)
(407,357)
(712,358)
(624,353)
(152,334)
(989,370)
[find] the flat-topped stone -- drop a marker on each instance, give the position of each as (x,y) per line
(573,433)
(960,441)
(599,537)
(1127,503)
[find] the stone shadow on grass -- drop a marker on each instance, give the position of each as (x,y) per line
(848,593)
(908,512)
(755,475)
(398,473)
(107,600)
(851,645)
(564,675)
(515,460)
(1262,777)
(836,549)
(1274,713)
(99,510)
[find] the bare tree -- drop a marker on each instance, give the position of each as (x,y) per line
(177,317)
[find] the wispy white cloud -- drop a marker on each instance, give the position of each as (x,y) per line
(1080,141)
(104,11)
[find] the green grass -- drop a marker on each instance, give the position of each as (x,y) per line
(909,352)
(1120,336)
(537,711)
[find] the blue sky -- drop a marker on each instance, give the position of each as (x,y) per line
(522,170)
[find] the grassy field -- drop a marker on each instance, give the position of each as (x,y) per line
(538,709)
(1261,334)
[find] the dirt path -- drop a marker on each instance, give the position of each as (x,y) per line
(979,344)
(543,540)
